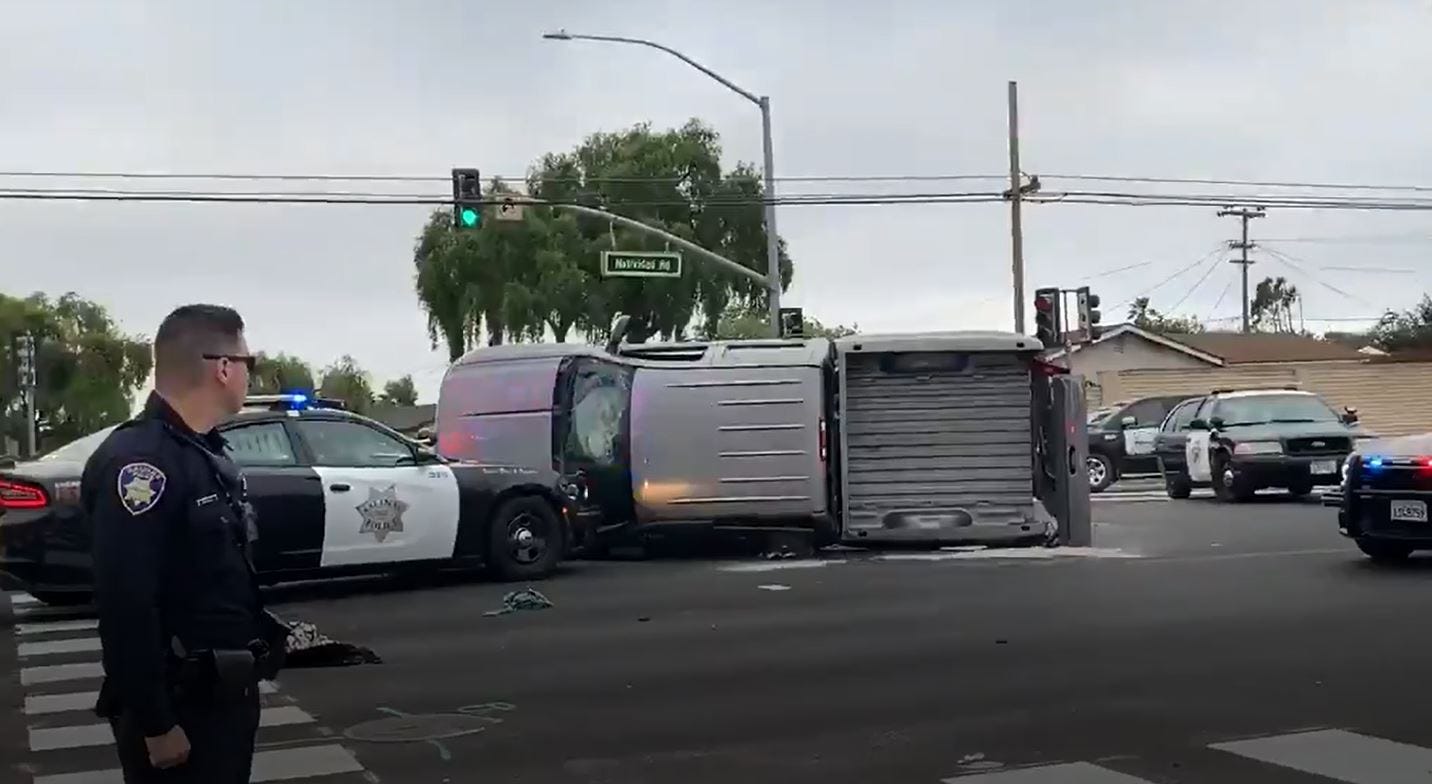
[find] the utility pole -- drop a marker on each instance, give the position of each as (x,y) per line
(25,364)
(1016,228)
(1244,214)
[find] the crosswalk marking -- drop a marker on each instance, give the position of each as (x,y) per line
(50,647)
(1340,755)
(51,673)
(1062,773)
(46,627)
(82,735)
(305,753)
(278,765)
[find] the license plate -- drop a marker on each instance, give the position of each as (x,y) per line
(1409,511)
(1324,467)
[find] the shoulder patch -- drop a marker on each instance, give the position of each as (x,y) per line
(140,485)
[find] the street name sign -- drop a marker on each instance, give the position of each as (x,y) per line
(640,264)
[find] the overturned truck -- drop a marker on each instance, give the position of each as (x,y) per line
(930,439)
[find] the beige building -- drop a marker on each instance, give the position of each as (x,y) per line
(1393,396)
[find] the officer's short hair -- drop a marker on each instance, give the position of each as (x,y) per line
(190,332)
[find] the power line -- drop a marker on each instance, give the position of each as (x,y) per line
(1105,273)
(1240,183)
(1156,286)
(1354,239)
(1288,261)
(1226,288)
(1194,287)
(1391,270)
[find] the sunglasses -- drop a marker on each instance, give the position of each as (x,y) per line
(248,360)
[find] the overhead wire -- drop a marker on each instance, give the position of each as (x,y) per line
(1227,287)
(1200,260)
(1195,286)
(1292,263)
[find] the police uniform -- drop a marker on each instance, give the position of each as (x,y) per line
(181,620)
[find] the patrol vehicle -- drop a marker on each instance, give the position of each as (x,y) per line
(1121,439)
(1239,442)
(1384,497)
(336,494)
(928,439)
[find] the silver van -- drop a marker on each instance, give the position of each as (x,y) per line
(926,438)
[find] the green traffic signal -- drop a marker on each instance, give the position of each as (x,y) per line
(469,217)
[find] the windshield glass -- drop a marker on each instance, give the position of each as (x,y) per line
(1264,409)
(80,449)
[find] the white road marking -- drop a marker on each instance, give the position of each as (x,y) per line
(51,647)
(1026,553)
(1339,755)
(46,627)
(39,704)
(1062,773)
(81,735)
(29,676)
(773,566)
(277,765)
(774,587)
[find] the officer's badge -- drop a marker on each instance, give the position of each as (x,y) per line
(140,485)
(382,513)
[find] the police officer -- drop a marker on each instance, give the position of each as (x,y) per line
(180,616)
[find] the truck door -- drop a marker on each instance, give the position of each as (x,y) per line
(592,432)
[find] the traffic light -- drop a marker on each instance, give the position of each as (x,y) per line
(466,199)
(1088,310)
(792,323)
(1048,325)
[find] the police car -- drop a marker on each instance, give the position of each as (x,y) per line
(1241,441)
(1121,439)
(1384,497)
(336,493)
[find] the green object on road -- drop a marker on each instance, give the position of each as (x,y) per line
(525,599)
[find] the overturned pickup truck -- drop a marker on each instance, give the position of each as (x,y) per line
(937,438)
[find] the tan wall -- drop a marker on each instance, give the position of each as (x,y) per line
(1391,398)
(1124,352)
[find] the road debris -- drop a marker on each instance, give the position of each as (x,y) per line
(525,599)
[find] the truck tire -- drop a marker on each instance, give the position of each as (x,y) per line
(525,539)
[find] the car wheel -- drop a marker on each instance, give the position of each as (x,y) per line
(1300,489)
(1101,472)
(1226,484)
(525,539)
(1178,486)
(1384,552)
(63,598)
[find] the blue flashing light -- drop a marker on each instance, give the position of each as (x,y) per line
(296,400)
(1374,463)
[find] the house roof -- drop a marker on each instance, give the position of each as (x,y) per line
(404,419)
(1236,348)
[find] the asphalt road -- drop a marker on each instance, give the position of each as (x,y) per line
(1191,624)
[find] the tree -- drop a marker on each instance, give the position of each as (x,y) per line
(400,392)
(86,370)
(280,373)
(1410,329)
(753,322)
(520,280)
(1271,309)
(1146,318)
(345,381)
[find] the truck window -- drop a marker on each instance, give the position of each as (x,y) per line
(601,394)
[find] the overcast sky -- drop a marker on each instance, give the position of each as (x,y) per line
(1306,90)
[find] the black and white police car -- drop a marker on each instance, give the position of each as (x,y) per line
(336,494)
(1384,497)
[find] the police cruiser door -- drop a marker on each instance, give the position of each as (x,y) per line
(379,506)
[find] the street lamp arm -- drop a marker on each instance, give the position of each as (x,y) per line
(564,36)
(720,260)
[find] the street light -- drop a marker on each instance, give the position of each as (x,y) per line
(773,258)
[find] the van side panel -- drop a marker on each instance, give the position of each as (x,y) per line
(498,412)
(937,455)
(727,444)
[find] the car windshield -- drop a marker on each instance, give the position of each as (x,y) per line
(1268,409)
(80,449)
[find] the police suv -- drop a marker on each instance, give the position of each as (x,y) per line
(335,493)
(1239,442)
(1382,503)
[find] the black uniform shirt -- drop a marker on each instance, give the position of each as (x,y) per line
(170,557)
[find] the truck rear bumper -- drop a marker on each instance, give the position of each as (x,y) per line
(944,526)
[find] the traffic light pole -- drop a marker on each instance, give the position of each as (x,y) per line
(25,351)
